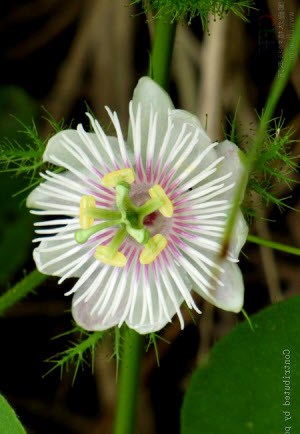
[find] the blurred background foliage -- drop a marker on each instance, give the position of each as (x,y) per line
(63,55)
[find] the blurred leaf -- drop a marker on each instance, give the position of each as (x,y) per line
(15,221)
(241,388)
(9,423)
(15,103)
(16,229)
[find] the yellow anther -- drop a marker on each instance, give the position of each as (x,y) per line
(103,254)
(113,178)
(87,202)
(157,192)
(153,248)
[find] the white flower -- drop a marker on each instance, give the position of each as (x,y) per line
(140,223)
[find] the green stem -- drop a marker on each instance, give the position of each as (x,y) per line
(128,383)
(273,245)
(21,289)
(162,51)
(279,83)
(130,365)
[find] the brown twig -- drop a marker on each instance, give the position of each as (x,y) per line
(185,72)
(268,258)
(70,74)
(210,96)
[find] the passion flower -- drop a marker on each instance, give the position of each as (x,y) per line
(140,223)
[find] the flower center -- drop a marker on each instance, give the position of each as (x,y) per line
(150,219)
(132,220)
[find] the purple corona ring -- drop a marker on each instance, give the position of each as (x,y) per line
(140,222)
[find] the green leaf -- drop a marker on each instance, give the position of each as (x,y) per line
(9,422)
(241,389)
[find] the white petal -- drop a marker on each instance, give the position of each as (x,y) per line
(230,296)
(58,257)
(182,116)
(232,162)
(150,94)
(239,235)
(80,150)
(115,295)
(146,130)
(193,160)
(106,299)
(89,295)
(66,189)
(186,141)
(200,233)
(68,192)
(218,281)
(147,313)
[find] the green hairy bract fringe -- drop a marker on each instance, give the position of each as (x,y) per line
(182,10)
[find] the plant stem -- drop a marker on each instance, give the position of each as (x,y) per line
(273,245)
(130,364)
(162,51)
(279,83)
(21,289)
(128,383)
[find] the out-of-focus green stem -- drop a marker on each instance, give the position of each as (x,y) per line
(21,289)
(273,245)
(128,383)
(279,83)
(162,50)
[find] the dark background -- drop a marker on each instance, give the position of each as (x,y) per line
(63,55)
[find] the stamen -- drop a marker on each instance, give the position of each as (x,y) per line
(86,202)
(157,192)
(114,178)
(82,235)
(103,255)
(153,248)
(103,214)
(109,254)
